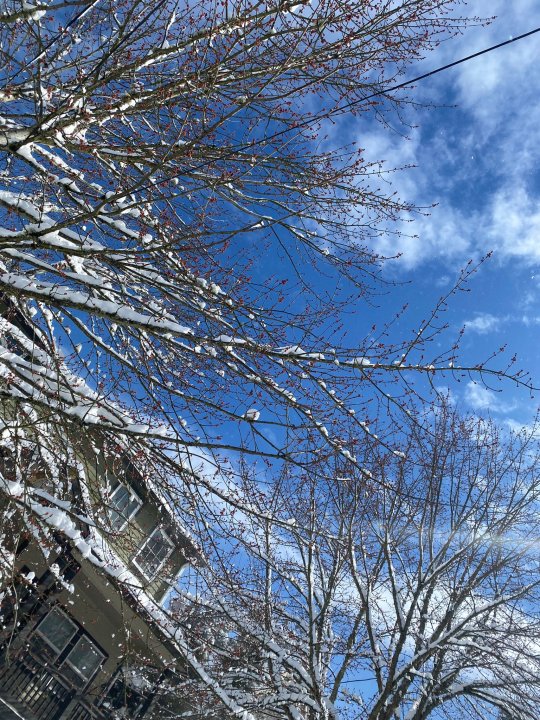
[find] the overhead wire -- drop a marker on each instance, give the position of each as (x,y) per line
(462,60)
(378,93)
(406,83)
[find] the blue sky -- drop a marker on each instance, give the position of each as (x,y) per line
(477,157)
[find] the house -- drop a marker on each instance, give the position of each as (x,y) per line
(83,633)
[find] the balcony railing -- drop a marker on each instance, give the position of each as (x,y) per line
(30,682)
(44,692)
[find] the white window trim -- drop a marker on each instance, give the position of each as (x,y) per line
(46,639)
(133,513)
(171,550)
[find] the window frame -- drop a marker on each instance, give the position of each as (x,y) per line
(60,658)
(111,509)
(140,567)
(85,637)
(44,637)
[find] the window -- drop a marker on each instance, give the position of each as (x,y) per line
(123,504)
(85,658)
(154,553)
(57,630)
(62,644)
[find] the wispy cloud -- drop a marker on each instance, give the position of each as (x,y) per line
(484,323)
(530,320)
(478,397)
(479,160)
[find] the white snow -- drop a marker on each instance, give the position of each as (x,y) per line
(252,415)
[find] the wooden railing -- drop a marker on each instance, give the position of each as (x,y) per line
(48,696)
(28,680)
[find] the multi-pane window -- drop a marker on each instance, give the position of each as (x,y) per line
(123,505)
(67,647)
(85,658)
(153,554)
(57,630)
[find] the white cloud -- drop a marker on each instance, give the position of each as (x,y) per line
(530,429)
(479,161)
(513,223)
(479,397)
(530,320)
(437,232)
(489,85)
(484,323)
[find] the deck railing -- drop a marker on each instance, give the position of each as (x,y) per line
(48,696)
(29,680)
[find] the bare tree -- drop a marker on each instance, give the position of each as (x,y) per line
(416,597)
(170,203)
(151,155)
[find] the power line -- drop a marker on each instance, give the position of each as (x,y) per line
(400,86)
(440,69)
(405,83)
(385,91)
